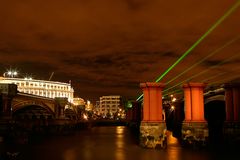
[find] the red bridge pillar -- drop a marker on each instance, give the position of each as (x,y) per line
(194,124)
(232,104)
(152,129)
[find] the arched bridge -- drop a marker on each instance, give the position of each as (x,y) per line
(28,111)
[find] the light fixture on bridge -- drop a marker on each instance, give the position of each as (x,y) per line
(28,78)
(10,73)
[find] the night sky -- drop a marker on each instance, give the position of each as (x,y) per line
(107,47)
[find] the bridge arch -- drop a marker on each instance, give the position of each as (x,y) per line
(19,106)
(32,118)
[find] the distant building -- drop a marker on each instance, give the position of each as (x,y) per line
(50,89)
(97,108)
(109,105)
(79,102)
(89,106)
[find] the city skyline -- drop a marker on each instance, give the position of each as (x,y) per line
(109,47)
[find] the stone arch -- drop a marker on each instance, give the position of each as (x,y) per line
(24,104)
(32,118)
(32,111)
(70,114)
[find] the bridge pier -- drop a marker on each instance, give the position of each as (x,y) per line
(153,127)
(232,104)
(194,127)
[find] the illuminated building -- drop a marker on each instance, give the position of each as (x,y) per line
(89,106)
(78,102)
(50,89)
(109,104)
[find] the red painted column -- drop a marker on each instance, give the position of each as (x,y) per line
(194,102)
(187,103)
(229,103)
(152,101)
(236,103)
(232,102)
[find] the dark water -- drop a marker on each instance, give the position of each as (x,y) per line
(105,143)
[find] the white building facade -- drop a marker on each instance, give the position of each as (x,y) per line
(50,89)
(109,104)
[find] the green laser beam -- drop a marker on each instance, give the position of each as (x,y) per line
(140,97)
(209,55)
(219,21)
(223,80)
(206,70)
(214,76)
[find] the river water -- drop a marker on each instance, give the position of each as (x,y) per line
(104,143)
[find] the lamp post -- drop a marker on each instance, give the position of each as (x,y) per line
(10,74)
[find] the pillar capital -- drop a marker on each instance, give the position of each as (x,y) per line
(194,84)
(152,84)
(232,101)
(231,85)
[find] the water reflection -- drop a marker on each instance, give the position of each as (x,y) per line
(120,143)
(100,143)
(120,130)
(70,154)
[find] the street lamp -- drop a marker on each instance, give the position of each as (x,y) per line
(10,73)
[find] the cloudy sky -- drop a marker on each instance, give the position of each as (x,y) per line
(108,47)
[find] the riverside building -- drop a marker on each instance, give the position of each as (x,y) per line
(50,89)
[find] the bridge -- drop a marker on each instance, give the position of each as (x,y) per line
(32,112)
(200,117)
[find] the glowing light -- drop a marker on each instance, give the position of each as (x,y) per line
(172,107)
(67,107)
(88,102)
(10,73)
(129,104)
(85,117)
(28,78)
(174,99)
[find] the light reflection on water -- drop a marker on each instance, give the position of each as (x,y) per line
(120,143)
(174,152)
(70,154)
(101,143)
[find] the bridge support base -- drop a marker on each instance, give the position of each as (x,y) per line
(231,132)
(195,134)
(152,135)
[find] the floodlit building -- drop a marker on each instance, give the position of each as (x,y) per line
(50,89)
(79,102)
(109,105)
